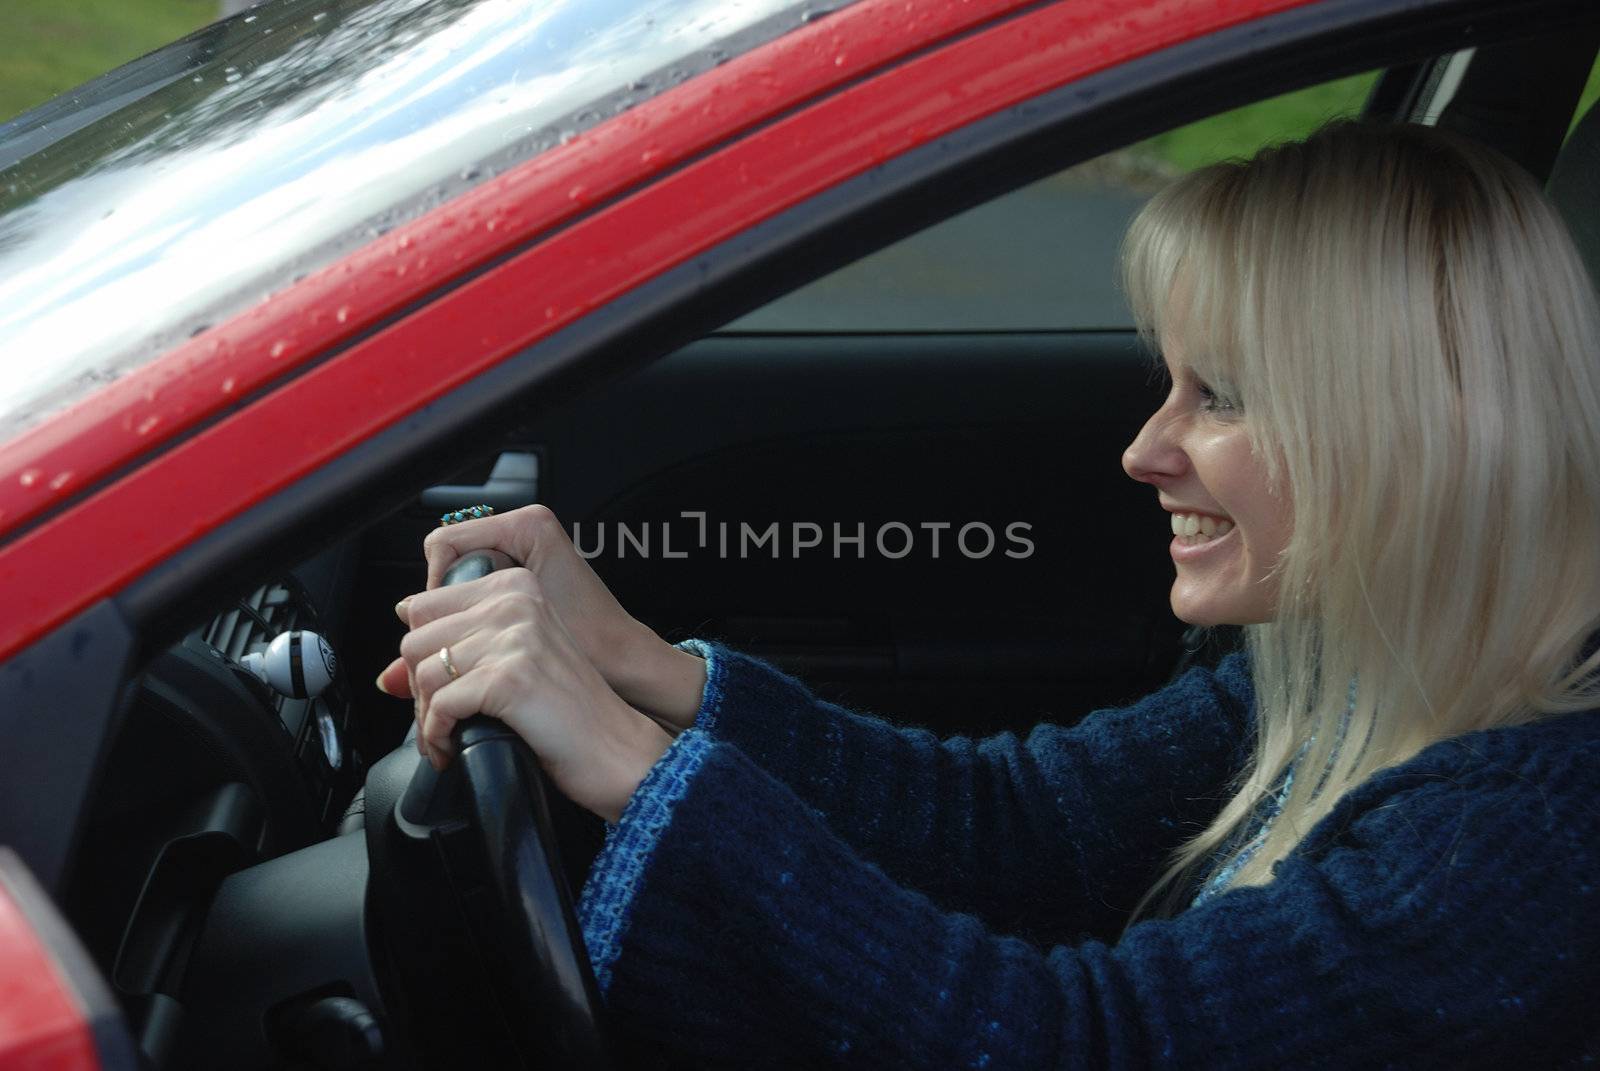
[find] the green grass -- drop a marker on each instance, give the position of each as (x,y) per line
(1242,131)
(50,46)
(1591,93)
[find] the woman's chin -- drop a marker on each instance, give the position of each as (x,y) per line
(1210,610)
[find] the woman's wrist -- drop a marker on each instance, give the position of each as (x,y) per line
(662,681)
(640,748)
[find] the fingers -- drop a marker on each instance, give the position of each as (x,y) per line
(395,679)
(452,704)
(426,607)
(429,673)
(496,613)
(519,535)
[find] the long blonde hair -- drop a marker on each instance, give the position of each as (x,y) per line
(1416,347)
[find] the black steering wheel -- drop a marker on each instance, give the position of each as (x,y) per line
(472,906)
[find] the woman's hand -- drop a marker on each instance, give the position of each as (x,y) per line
(515,660)
(646,671)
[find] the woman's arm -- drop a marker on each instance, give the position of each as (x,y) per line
(930,812)
(983,825)
(1442,918)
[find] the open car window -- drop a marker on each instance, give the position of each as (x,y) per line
(1042,258)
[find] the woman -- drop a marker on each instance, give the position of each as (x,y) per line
(1371,838)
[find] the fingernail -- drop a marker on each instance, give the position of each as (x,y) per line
(400,609)
(379,684)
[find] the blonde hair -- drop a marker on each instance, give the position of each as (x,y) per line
(1415,344)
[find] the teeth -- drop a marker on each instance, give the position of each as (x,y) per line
(1195,528)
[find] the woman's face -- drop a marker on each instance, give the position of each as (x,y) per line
(1229,528)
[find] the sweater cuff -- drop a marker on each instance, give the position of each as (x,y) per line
(716,684)
(608,894)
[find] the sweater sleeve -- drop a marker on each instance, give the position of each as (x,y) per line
(1447,921)
(980,825)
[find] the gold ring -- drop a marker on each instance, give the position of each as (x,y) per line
(449,666)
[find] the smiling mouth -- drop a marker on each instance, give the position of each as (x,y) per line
(1194,529)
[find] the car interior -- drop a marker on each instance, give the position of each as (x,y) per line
(962,393)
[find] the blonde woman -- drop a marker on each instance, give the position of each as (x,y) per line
(1372,838)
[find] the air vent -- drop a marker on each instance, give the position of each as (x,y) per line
(260,616)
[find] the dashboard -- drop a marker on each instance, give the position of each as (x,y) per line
(211,771)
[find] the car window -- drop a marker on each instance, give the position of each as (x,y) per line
(1043,257)
(1590,94)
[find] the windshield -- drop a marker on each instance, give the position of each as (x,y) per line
(191,183)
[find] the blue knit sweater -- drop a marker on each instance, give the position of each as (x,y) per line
(794,884)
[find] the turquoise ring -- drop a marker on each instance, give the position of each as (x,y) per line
(471,513)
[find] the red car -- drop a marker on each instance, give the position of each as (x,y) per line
(801,316)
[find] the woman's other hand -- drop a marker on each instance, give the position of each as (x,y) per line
(645,671)
(514,659)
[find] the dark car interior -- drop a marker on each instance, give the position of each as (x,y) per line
(804,413)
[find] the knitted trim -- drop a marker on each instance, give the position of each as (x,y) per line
(716,684)
(617,873)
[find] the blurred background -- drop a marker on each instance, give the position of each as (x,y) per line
(50,46)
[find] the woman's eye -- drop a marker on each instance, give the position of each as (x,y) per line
(1211,401)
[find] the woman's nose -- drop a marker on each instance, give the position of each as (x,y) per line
(1154,455)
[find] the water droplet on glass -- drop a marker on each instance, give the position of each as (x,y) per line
(29,477)
(147,425)
(197,79)
(279,348)
(234,77)
(319,16)
(577,193)
(251,18)
(228,385)
(61,481)
(343,314)
(469,174)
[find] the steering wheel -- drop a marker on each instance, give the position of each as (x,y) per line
(472,904)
